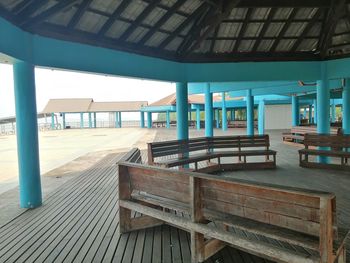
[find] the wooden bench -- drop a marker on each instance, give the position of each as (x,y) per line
(297,133)
(334,146)
(240,124)
(220,212)
(177,153)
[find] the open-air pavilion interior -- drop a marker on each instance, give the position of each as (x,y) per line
(216,193)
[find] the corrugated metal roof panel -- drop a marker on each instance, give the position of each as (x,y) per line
(229,29)
(134,9)
(274,29)
(265,45)
(295,29)
(173,22)
(117,29)
(91,22)
(204,47)
(190,6)
(305,13)
(253,29)
(285,45)
(67,105)
(9,4)
(156,39)
(63,18)
(308,45)
(154,16)
(168,3)
(341,39)
(137,34)
(174,44)
(342,26)
(238,13)
(260,13)
(282,13)
(222,46)
(315,30)
(43,8)
(108,6)
(246,45)
(187,29)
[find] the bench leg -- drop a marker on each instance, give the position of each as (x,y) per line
(342,256)
(197,247)
(124,220)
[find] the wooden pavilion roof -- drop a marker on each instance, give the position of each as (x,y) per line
(194,30)
(170,100)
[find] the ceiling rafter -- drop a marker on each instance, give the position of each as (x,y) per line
(242,30)
(284,29)
(216,33)
(21,6)
(226,8)
(161,21)
(264,28)
(59,6)
(79,13)
(29,9)
(116,14)
(182,26)
(307,29)
(139,20)
(336,10)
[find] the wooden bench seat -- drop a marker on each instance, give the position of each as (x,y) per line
(334,146)
(219,212)
(182,152)
(297,133)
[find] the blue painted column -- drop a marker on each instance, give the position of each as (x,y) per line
(63,121)
(142,120)
(261,117)
(315,111)
(117,120)
(217,118)
(250,113)
(208,108)
(95,122)
(182,110)
(224,112)
(81,120)
(168,119)
(190,114)
(149,120)
(333,112)
(120,119)
(346,107)
(295,111)
(90,120)
(52,121)
(310,114)
(27,135)
(233,115)
(198,118)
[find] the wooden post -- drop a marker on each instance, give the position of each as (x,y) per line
(124,194)
(197,239)
(326,230)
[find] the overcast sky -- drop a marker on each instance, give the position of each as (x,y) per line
(51,84)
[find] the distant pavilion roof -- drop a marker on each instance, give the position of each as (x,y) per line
(170,100)
(194,30)
(88,105)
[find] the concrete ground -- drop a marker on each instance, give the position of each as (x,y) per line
(63,154)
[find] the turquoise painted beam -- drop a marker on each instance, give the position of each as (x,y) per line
(217,119)
(116,120)
(81,120)
(120,119)
(95,121)
(63,121)
(315,111)
(208,111)
(90,120)
(310,113)
(27,135)
(295,111)
(333,111)
(149,120)
(159,109)
(198,119)
(224,112)
(182,110)
(346,107)
(250,113)
(52,121)
(142,119)
(261,117)
(168,119)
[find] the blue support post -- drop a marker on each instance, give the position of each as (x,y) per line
(333,112)
(250,113)
(315,111)
(346,107)
(63,121)
(81,120)
(90,120)
(149,120)
(233,115)
(27,135)
(261,117)
(116,119)
(190,114)
(310,113)
(142,120)
(208,107)
(52,121)
(323,107)
(224,113)
(120,119)
(168,119)
(295,111)
(217,118)
(95,121)
(198,119)
(182,110)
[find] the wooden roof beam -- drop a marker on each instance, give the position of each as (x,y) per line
(79,13)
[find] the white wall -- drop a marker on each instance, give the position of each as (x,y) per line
(278,117)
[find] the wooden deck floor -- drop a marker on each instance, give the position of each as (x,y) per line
(78,222)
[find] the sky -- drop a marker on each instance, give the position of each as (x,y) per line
(54,84)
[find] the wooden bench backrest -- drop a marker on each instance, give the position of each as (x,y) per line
(132,156)
(304,211)
(175,147)
(310,129)
(327,140)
